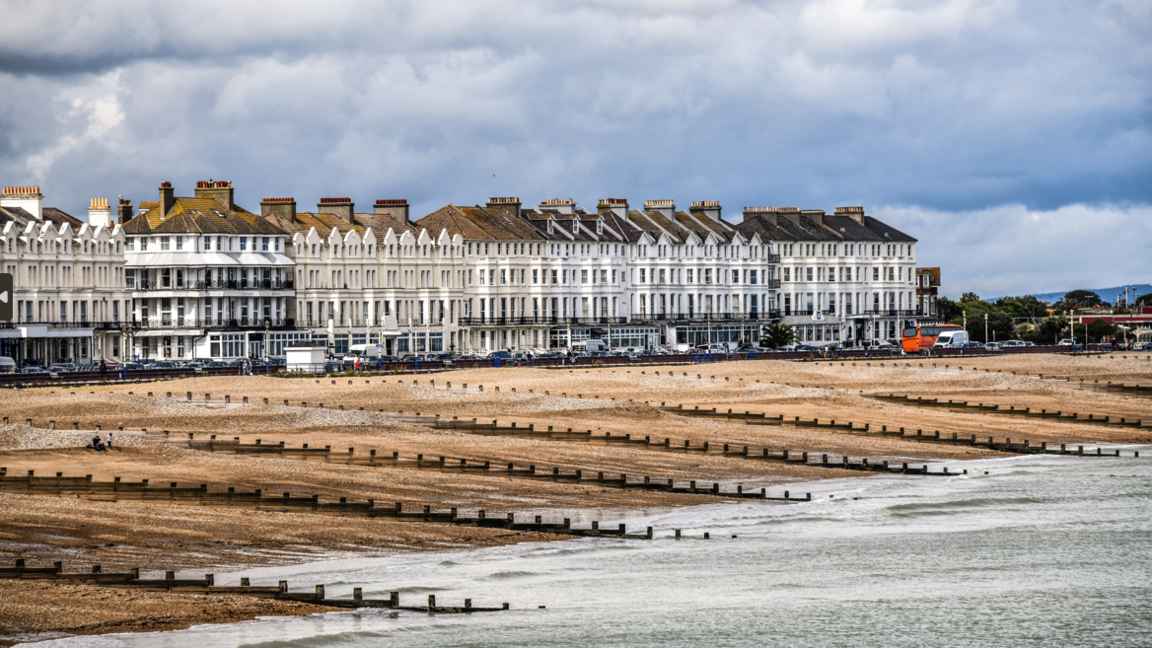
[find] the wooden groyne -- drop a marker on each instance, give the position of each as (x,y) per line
(131,580)
(794,457)
(1059,416)
(145,491)
(484,467)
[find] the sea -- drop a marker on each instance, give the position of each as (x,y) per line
(1026,551)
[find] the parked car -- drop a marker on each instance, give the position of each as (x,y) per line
(1065,342)
(62,367)
(33,369)
(1012,344)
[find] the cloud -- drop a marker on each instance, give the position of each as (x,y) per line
(953,106)
(1012,250)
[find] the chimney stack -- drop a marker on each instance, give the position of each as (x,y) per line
(395,208)
(665,207)
(167,200)
(27,198)
(618,206)
(508,204)
(816,215)
(560,205)
(710,208)
(218,190)
(342,207)
(768,214)
(99,213)
(855,213)
(285,207)
(125,208)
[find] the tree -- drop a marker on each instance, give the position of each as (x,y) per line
(947,309)
(1050,331)
(1143,300)
(1083,298)
(999,325)
(1099,329)
(1026,306)
(969,297)
(778,335)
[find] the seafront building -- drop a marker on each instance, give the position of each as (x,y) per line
(208,279)
(202,277)
(372,278)
(844,278)
(69,298)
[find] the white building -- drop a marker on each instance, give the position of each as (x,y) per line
(209,279)
(846,278)
(68,278)
(556,274)
(372,278)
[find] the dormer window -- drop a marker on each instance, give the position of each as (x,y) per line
(575,227)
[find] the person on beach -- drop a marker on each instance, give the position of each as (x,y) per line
(109,444)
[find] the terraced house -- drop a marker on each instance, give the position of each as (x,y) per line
(201,277)
(68,281)
(845,278)
(372,278)
(208,278)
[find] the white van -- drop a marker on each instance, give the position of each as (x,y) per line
(7,365)
(952,339)
(364,352)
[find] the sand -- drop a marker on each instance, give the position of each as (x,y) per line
(622,400)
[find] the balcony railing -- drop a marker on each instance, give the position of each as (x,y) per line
(144,285)
(159,323)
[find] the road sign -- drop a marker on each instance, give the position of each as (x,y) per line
(6,297)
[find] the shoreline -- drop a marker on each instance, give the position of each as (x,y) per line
(157,536)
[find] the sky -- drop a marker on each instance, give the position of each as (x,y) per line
(1012,138)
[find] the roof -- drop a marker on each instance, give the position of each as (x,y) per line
(887,232)
(480,223)
(50,215)
(199,215)
(325,223)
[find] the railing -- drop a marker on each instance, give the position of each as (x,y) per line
(773,284)
(145,285)
(773,258)
(153,323)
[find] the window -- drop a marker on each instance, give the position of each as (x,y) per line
(163,242)
(130,244)
(180,246)
(243,243)
(265,244)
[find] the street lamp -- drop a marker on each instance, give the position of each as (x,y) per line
(985,328)
(267,349)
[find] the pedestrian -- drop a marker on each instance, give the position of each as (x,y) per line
(109,440)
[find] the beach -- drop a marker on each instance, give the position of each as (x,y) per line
(638,401)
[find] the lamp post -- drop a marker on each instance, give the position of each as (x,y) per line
(267,346)
(985,328)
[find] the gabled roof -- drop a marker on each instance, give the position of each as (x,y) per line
(325,223)
(199,215)
(480,223)
(887,232)
(50,215)
(54,215)
(702,225)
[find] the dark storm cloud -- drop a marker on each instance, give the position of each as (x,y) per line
(956,107)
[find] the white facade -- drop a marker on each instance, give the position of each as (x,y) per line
(69,299)
(208,279)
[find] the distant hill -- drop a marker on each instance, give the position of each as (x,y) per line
(1107,294)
